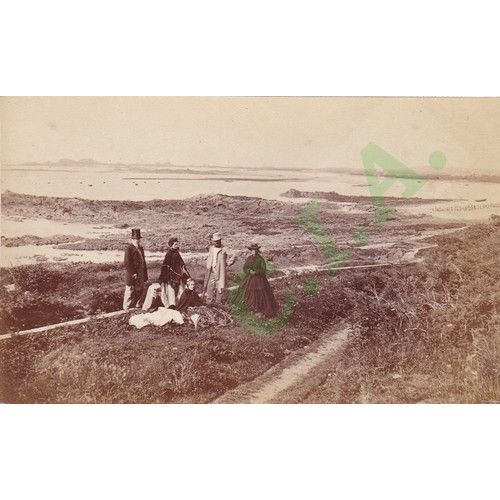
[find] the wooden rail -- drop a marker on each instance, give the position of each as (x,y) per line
(42,329)
(305,269)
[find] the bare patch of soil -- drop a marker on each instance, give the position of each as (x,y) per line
(290,380)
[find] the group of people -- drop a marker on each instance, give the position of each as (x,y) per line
(175,288)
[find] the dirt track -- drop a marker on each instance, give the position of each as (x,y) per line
(291,380)
(295,377)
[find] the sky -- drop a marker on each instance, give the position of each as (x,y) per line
(269,132)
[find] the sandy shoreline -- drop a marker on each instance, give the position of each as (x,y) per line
(59,230)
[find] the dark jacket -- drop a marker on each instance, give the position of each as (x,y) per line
(135,263)
(189,298)
(173,269)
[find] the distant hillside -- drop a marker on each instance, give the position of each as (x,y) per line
(445,174)
(67,162)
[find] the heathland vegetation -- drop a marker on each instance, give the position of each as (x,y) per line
(425,332)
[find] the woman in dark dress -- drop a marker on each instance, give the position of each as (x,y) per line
(191,307)
(173,274)
(255,291)
(189,297)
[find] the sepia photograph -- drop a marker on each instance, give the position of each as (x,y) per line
(249,250)
(242,250)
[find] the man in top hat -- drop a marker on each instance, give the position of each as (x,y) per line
(136,272)
(215,285)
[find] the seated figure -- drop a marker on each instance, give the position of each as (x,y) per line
(153,298)
(192,308)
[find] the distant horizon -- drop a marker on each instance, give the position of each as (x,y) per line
(251,132)
(344,170)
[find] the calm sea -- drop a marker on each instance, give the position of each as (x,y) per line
(145,183)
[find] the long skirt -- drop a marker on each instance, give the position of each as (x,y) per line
(171,293)
(208,316)
(256,293)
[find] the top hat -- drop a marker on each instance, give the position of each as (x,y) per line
(216,237)
(254,246)
(136,234)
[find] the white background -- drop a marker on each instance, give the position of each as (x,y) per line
(257,48)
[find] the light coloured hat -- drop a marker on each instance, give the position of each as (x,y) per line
(216,237)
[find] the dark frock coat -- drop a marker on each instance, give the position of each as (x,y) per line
(173,269)
(135,263)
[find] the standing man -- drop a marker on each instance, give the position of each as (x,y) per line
(215,285)
(173,274)
(136,272)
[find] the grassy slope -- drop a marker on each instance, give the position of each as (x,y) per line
(110,361)
(422,334)
(431,335)
(50,293)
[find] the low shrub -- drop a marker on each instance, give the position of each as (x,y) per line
(430,333)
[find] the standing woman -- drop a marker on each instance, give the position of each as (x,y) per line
(255,291)
(173,274)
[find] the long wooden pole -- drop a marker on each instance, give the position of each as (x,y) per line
(47,328)
(42,329)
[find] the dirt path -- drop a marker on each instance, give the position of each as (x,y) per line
(292,379)
(295,377)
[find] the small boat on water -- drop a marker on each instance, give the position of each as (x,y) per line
(483,199)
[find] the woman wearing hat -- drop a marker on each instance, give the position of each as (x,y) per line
(255,291)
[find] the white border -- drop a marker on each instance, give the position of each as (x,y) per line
(356,48)
(424,48)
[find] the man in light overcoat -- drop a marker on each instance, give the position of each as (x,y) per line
(215,285)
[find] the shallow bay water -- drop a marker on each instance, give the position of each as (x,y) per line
(146,183)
